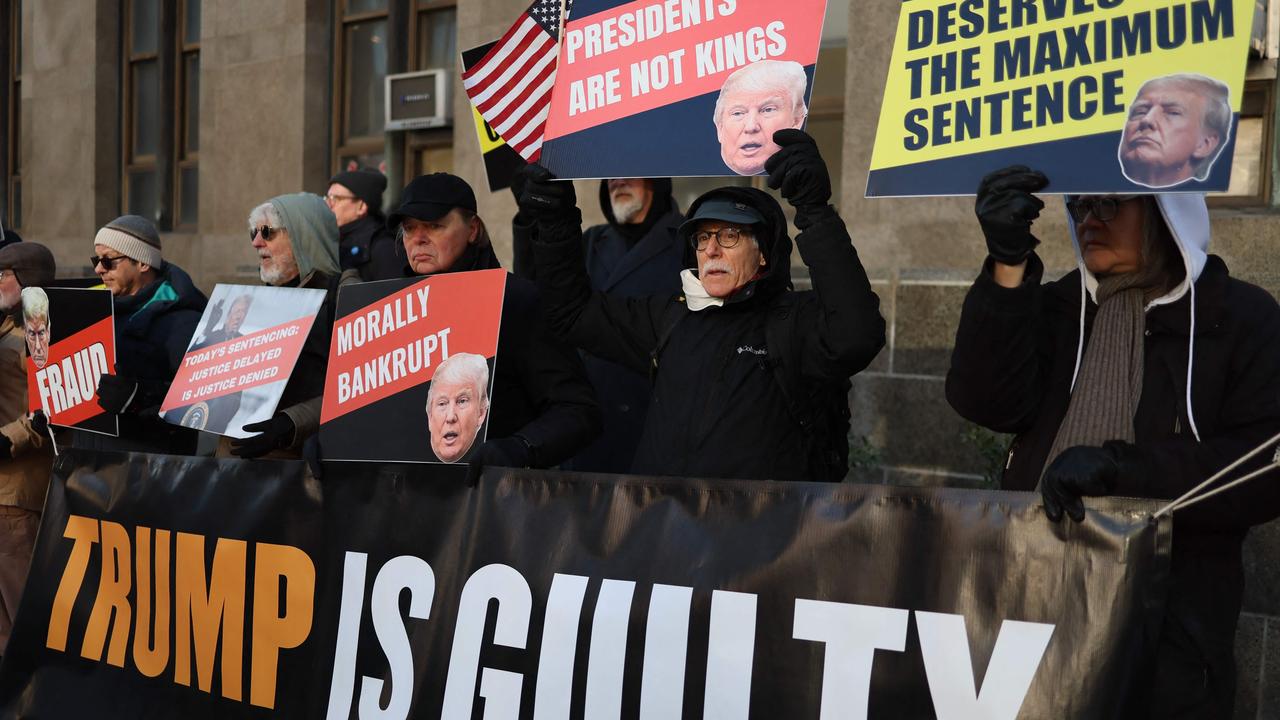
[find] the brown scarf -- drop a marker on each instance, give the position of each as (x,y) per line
(1109,383)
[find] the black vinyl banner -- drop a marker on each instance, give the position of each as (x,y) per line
(183,587)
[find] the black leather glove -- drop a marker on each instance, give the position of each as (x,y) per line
(273,434)
(1082,470)
(40,423)
(546,200)
(504,452)
(115,392)
(798,171)
(1006,208)
(6,447)
(519,179)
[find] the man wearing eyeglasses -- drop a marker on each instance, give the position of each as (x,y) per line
(749,375)
(355,197)
(25,453)
(1140,374)
(157,309)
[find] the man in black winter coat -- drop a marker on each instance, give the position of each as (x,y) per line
(542,409)
(364,244)
(635,254)
(718,409)
(1170,373)
(157,308)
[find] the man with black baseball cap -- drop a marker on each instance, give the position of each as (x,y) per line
(542,409)
(751,378)
(25,454)
(364,245)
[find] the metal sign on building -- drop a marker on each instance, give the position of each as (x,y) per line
(418,100)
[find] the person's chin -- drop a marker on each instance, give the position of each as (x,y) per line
(448,454)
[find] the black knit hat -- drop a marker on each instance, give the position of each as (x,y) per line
(368,185)
(431,197)
(31,262)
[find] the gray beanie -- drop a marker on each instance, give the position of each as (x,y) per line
(134,237)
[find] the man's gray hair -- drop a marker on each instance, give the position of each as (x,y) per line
(767,75)
(264,214)
(1217,109)
(463,368)
(35,304)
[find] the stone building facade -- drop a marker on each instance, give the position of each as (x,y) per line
(254,98)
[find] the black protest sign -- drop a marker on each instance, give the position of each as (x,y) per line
(71,344)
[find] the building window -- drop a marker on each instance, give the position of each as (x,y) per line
(434,46)
(161,80)
(187,117)
(359,82)
(13,151)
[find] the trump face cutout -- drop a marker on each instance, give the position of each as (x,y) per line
(755,102)
(457,405)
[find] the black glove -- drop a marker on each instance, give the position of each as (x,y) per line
(1082,470)
(6,447)
(40,423)
(798,172)
(1005,209)
(115,392)
(504,452)
(275,433)
(519,179)
(546,200)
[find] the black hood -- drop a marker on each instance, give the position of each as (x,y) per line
(662,203)
(774,241)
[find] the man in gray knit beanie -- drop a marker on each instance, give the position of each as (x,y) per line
(157,308)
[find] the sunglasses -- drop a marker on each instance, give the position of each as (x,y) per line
(266,231)
(107,262)
(1103,208)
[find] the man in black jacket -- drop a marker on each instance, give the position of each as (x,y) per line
(635,254)
(355,197)
(157,308)
(542,410)
(1169,374)
(718,408)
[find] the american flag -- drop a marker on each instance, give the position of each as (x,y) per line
(511,85)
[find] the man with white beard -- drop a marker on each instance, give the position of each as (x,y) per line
(635,254)
(296,239)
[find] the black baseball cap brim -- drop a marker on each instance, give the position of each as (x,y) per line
(724,210)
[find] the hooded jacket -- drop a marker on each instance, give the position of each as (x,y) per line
(313,237)
(1209,395)
(153,328)
(624,261)
(540,389)
(716,409)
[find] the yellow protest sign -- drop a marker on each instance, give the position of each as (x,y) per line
(1101,95)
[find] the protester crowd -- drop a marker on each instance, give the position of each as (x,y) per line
(674,343)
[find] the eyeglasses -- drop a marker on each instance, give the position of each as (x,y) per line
(725,237)
(106,261)
(266,231)
(1102,207)
(333,199)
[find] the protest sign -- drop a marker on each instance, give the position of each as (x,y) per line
(240,359)
(500,161)
(382,398)
(190,587)
(71,343)
(654,88)
(1103,97)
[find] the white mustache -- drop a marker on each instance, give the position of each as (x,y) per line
(716,266)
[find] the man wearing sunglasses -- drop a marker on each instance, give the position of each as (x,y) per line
(750,378)
(25,453)
(296,239)
(157,309)
(1140,374)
